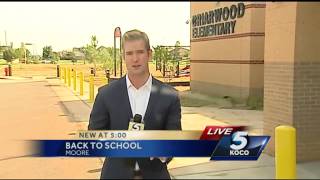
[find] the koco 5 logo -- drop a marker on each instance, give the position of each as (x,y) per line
(239,142)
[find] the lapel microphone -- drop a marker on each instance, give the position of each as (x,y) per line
(135,124)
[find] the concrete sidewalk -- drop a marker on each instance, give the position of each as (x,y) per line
(30,109)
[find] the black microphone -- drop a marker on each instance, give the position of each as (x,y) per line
(135,123)
(137,118)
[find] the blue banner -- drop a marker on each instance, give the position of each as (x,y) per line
(251,151)
(237,146)
(124,148)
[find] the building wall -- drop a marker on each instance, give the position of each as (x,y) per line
(273,53)
(230,64)
(292,74)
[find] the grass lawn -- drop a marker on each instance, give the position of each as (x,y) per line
(3,62)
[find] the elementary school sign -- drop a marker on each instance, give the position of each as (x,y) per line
(217,22)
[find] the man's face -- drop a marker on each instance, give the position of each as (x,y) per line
(136,57)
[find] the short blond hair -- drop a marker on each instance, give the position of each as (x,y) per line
(135,34)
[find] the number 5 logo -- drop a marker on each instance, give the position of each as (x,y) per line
(239,137)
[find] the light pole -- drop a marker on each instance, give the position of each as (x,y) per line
(117,33)
(23,45)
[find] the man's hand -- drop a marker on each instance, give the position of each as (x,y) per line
(162,159)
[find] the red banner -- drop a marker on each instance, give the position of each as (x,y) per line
(216,132)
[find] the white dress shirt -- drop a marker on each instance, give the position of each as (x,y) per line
(139,99)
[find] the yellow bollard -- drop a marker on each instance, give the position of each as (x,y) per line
(67,69)
(91,89)
(69,77)
(285,152)
(65,75)
(104,81)
(60,72)
(74,80)
(81,83)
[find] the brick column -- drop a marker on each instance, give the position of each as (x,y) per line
(292,74)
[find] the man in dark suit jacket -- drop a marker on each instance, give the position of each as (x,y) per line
(112,109)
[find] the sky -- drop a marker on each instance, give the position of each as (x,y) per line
(65,25)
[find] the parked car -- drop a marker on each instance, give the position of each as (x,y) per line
(45,61)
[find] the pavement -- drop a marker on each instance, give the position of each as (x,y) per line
(30,109)
(44,108)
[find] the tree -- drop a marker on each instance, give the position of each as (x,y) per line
(102,55)
(47,52)
(55,57)
(91,51)
(8,55)
(19,53)
(106,55)
(157,57)
(177,57)
(162,57)
(94,41)
(177,44)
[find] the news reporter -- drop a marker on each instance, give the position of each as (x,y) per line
(136,93)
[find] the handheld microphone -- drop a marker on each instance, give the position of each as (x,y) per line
(135,124)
